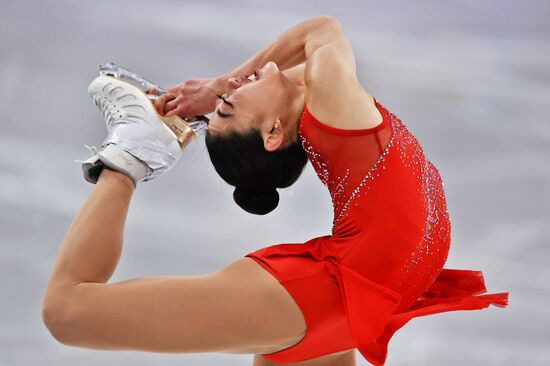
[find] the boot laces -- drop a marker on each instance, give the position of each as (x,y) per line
(108,110)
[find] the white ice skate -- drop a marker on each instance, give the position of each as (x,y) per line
(140,143)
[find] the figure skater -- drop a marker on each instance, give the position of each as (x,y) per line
(311,303)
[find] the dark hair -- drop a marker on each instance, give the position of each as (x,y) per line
(242,161)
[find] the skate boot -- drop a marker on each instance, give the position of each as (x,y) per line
(140,143)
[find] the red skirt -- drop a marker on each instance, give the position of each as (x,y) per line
(344,309)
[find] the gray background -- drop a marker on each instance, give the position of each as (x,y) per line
(470,78)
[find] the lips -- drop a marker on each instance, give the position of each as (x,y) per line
(252,77)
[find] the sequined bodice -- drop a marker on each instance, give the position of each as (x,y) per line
(343,159)
(384,191)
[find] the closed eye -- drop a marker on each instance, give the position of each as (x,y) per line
(223,115)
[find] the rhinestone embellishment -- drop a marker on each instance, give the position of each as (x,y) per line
(430,187)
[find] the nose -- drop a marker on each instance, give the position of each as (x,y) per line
(232,84)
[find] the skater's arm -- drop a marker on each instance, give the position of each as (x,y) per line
(198,96)
(300,44)
(291,48)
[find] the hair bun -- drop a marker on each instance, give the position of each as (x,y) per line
(259,201)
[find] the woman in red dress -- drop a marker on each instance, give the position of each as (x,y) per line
(381,266)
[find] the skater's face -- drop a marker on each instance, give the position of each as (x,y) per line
(250,103)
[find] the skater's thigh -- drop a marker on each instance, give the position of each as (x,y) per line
(240,308)
(258,310)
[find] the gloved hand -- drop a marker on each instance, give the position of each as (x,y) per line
(140,143)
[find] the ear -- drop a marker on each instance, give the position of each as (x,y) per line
(273,138)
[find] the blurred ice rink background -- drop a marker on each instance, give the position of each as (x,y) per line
(470,78)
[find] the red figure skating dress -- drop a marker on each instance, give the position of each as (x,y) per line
(383,264)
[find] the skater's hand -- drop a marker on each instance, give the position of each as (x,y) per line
(160,103)
(193,97)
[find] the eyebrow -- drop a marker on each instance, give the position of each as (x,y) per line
(226,102)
